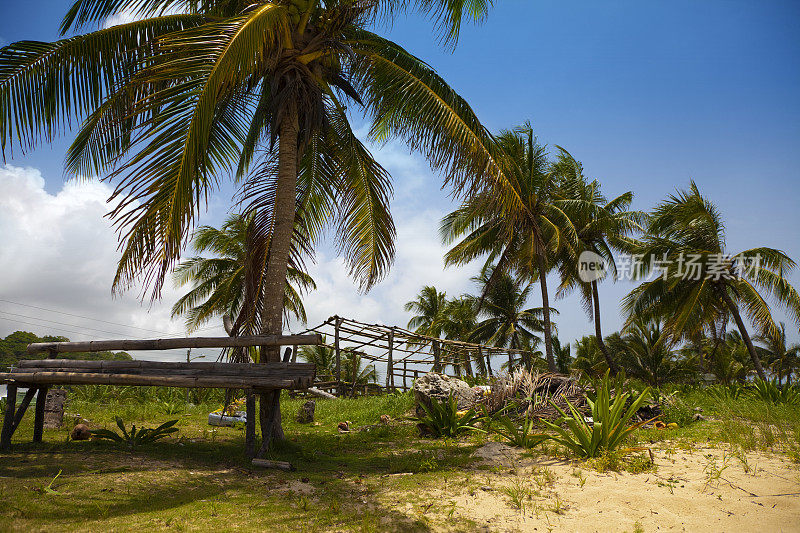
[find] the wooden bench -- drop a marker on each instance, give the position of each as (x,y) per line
(39,374)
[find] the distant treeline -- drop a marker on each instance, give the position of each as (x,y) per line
(14,347)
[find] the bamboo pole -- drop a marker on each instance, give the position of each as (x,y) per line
(389,362)
(23,406)
(88,378)
(338,351)
(170,344)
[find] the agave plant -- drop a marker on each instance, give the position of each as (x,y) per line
(609,427)
(770,392)
(443,419)
(135,437)
(522,435)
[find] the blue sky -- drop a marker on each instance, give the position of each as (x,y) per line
(647,94)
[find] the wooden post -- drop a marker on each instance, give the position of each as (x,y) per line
(23,406)
(294,353)
(250,426)
(38,419)
(8,420)
(510,362)
(405,370)
(436,363)
(390,363)
(488,360)
(338,352)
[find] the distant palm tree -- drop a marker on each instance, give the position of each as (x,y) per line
(685,294)
(563,356)
(518,223)
(646,353)
(602,226)
(218,282)
(458,321)
(783,358)
(324,357)
(507,322)
(428,307)
(355,372)
(588,358)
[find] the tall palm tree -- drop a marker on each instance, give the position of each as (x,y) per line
(257,89)
(601,226)
(506,322)
(428,306)
(645,353)
(458,321)
(356,372)
(218,282)
(588,358)
(783,358)
(517,223)
(698,278)
(563,355)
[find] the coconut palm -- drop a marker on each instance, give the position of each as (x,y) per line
(218,282)
(323,356)
(602,227)
(783,358)
(562,355)
(588,357)
(646,353)
(428,307)
(506,321)
(458,320)
(355,372)
(517,223)
(697,278)
(193,91)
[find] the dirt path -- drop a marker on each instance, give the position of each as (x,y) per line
(699,490)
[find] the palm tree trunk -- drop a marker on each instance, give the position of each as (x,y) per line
(598,331)
(275,275)
(743,330)
(548,336)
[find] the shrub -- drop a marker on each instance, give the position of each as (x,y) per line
(770,392)
(443,419)
(609,427)
(522,436)
(135,437)
(676,411)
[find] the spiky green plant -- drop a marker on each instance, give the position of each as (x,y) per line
(770,392)
(522,435)
(610,421)
(443,419)
(135,437)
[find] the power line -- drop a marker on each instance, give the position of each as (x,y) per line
(62,323)
(46,326)
(86,317)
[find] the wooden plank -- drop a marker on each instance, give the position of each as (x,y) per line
(171,344)
(166,365)
(82,378)
(26,401)
(38,420)
(250,426)
(280,465)
(8,419)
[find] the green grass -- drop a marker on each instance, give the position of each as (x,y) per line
(199,478)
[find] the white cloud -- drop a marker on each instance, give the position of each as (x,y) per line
(59,252)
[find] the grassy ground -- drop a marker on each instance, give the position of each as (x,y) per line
(200,479)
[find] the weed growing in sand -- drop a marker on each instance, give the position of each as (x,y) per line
(713,471)
(558,505)
(578,473)
(519,493)
(638,527)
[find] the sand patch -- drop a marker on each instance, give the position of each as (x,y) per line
(698,490)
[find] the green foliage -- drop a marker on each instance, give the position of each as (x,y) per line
(770,392)
(135,437)
(14,348)
(722,392)
(609,428)
(522,435)
(676,411)
(443,419)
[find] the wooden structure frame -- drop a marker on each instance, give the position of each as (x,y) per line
(405,353)
(38,375)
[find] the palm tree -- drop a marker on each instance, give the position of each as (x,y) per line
(429,308)
(602,226)
(357,373)
(646,353)
(698,278)
(507,323)
(323,356)
(458,321)
(256,89)
(218,282)
(563,356)
(517,223)
(588,358)
(783,358)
